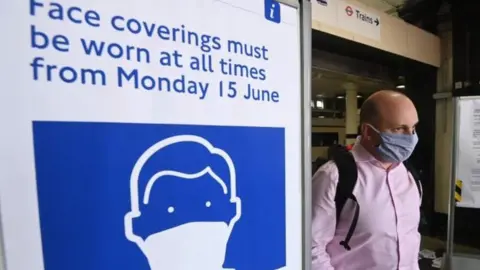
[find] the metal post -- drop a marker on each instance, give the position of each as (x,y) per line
(451,200)
(3,263)
(306,66)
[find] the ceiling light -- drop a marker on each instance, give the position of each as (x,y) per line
(319,104)
(340,97)
(401,86)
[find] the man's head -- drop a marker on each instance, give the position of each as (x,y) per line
(387,126)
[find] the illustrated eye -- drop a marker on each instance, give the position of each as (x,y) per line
(208,204)
(171,209)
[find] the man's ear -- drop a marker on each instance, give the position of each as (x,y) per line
(369,134)
(373,136)
(364,131)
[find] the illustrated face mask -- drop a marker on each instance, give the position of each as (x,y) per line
(200,239)
(396,148)
(193,241)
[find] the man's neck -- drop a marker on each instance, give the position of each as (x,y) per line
(373,151)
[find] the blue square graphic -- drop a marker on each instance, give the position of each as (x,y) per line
(272,11)
(121,196)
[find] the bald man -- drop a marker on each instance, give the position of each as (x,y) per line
(385,194)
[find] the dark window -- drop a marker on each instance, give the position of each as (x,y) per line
(326,139)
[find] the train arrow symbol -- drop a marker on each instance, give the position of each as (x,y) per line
(377,22)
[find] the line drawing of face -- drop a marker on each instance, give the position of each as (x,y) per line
(198,244)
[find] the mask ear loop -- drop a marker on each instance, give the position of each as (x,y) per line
(377,131)
(374,129)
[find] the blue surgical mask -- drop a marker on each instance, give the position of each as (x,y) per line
(396,148)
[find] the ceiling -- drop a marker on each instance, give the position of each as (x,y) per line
(387,6)
(327,83)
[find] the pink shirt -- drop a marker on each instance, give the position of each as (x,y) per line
(386,236)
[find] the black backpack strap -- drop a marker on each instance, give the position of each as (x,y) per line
(418,183)
(416,176)
(347,179)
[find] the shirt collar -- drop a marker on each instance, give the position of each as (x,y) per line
(362,155)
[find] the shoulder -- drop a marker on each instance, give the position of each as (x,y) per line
(326,175)
(411,170)
(324,184)
(328,169)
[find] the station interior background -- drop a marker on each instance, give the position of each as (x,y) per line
(345,72)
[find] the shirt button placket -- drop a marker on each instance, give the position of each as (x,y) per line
(394,203)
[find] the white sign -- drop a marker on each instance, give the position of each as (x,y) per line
(348,17)
(325,12)
(152,135)
(468,152)
(358,21)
